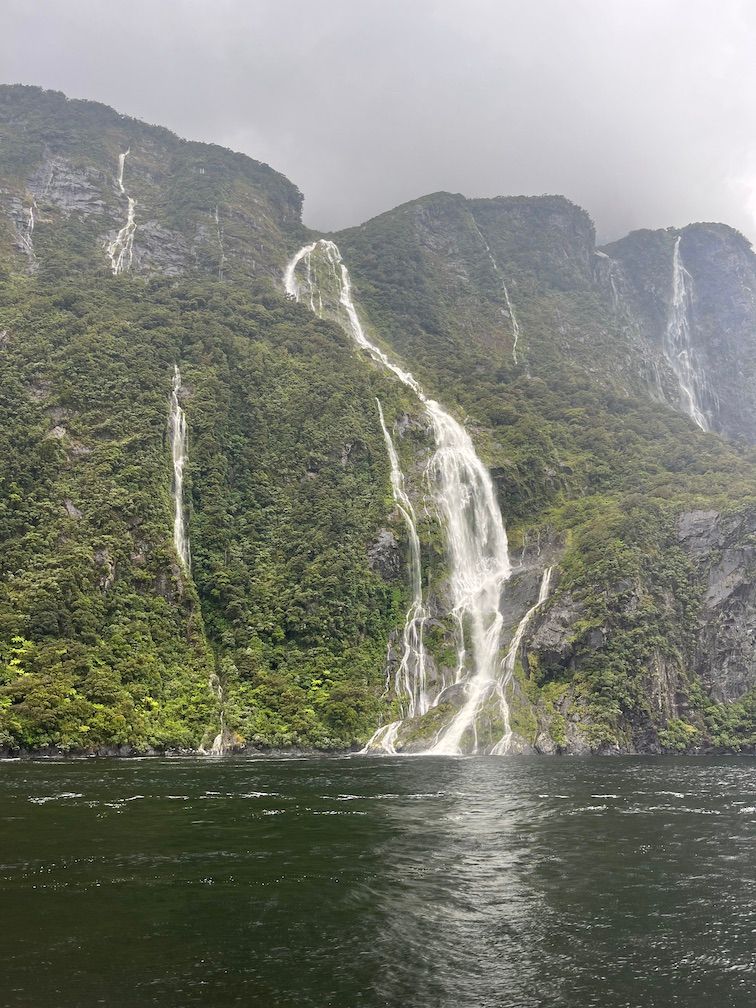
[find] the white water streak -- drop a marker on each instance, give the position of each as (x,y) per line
(476,538)
(510,307)
(510,662)
(384,740)
(218,746)
(678,348)
(179,450)
(121,165)
(121,249)
(27,236)
(411,676)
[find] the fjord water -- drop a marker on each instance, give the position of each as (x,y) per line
(364,882)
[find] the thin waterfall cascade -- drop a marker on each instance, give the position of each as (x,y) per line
(610,271)
(179,449)
(121,250)
(516,332)
(678,347)
(26,235)
(29,237)
(218,746)
(411,673)
(510,662)
(476,540)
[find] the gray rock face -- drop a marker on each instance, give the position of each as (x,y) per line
(724,549)
(22,219)
(385,556)
(71,510)
(68,188)
(159,250)
(720,308)
(553,638)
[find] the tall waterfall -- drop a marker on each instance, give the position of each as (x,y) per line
(678,348)
(178,439)
(476,540)
(121,249)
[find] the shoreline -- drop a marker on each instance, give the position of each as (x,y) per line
(126,753)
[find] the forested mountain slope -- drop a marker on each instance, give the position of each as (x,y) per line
(563,361)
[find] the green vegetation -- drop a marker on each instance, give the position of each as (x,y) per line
(579,457)
(103,640)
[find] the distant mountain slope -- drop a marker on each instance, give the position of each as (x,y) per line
(582,375)
(198,208)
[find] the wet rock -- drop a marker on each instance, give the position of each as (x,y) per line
(71,510)
(106,564)
(698,531)
(723,549)
(384,556)
(68,188)
(158,249)
(553,637)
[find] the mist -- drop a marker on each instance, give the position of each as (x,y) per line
(643,112)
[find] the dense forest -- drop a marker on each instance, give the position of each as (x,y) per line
(285,630)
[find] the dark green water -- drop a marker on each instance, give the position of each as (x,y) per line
(367,882)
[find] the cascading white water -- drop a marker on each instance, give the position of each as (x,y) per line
(510,307)
(218,746)
(121,249)
(383,740)
(410,679)
(26,236)
(476,538)
(678,348)
(121,165)
(510,662)
(179,441)
(30,226)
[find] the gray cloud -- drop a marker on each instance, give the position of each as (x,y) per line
(642,111)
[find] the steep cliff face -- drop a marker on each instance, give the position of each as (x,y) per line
(718,305)
(594,384)
(66,187)
(569,400)
(723,548)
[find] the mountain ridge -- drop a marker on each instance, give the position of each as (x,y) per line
(508,313)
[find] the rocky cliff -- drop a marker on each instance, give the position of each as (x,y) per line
(125,251)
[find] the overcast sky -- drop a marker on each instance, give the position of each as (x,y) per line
(642,111)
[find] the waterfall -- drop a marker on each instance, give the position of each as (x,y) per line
(121,165)
(678,348)
(121,249)
(510,307)
(218,746)
(410,680)
(178,439)
(510,661)
(26,236)
(30,227)
(383,740)
(476,540)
